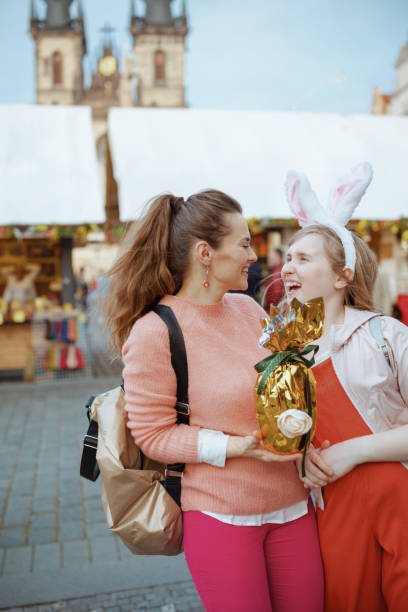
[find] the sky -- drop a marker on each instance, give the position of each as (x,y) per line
(304,55)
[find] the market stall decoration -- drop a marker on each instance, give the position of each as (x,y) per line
(51,198)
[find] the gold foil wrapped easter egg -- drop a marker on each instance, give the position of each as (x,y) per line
(285,381)
(284,390)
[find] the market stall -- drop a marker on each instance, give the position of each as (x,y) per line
(248,153)
(51,197)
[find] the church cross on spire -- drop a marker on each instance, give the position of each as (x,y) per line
(107,31)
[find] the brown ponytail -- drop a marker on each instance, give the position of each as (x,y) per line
(156,254)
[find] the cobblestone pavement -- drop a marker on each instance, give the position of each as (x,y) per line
(54,542)
(172,597)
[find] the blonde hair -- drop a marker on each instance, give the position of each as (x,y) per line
(359,291)
(155,254)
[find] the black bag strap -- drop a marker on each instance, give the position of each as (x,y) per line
(89,467)
(178,361)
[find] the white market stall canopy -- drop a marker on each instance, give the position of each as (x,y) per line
(247,154)
(48,167)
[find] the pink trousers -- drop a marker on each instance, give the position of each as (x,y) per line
(244,569)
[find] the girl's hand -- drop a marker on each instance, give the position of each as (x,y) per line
(342,457)
(318,470)
(329,463)
(251,446)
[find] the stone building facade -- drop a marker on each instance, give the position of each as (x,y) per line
(399,101)
(392,256)
(158,48)
(395,103)
(153,74)
(60,48)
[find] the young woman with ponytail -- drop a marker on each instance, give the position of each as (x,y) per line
(249,533)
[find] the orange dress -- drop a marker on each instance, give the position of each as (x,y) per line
(363,530)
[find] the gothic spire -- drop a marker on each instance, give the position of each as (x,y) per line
(80,11)
(33,13)
(158,12)
(58,13)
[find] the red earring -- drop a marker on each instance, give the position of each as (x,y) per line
(206,283)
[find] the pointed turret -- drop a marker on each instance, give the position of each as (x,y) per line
(33,12)
(80,11)
(182,20)
(34,20)
(58,13)
(158,12)
(402,57)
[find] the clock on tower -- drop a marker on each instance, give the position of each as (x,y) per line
(107,65)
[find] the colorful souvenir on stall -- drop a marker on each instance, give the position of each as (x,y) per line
(65,330)
(63,358)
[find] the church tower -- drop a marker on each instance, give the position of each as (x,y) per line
(158,45)
(399,100)
(395,103)
(60,48)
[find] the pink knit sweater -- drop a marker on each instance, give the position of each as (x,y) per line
(222,347)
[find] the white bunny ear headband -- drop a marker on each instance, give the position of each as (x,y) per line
(343,200)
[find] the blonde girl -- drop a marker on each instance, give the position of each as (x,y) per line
(361,440)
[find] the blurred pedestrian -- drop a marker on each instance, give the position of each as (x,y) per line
(254,282)
(384,295)
(396,312)
(20,282)
(274,290)
(82,289)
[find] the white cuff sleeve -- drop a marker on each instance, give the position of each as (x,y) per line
(212,447)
